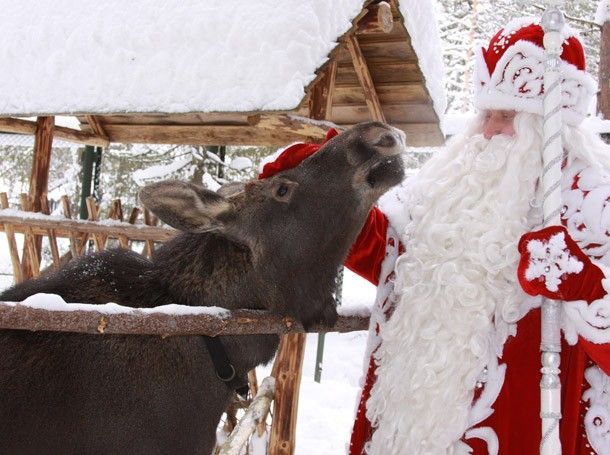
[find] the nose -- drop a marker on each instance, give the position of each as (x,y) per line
(492,127)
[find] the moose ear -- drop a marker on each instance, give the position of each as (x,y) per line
(185,206)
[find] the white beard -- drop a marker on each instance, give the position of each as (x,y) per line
(456,291)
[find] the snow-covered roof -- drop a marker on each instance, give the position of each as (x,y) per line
(178,56)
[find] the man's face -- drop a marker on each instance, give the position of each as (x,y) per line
(498,122)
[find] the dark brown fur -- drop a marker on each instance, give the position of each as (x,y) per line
(262,248)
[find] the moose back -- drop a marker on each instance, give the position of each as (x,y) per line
(276,245)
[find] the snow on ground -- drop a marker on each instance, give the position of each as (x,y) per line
(326,409)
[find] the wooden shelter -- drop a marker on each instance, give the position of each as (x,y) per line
(372,71)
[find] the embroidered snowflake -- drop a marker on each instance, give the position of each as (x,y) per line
(551,260)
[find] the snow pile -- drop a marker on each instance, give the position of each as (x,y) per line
(164,56)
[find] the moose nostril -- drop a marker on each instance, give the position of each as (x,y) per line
(387,140)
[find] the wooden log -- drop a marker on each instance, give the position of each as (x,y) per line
(94,320)
(364,76)
(286,404)
(12,243)
(15,125)
(250,420)
(38,225)
(378,19)
(306,129)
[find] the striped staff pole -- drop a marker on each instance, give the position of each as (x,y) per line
(552,156)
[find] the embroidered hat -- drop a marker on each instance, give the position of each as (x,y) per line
(509,73)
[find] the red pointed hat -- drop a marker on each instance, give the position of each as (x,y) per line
(509,72)
(293,155)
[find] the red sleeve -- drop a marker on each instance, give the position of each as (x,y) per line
(599,353)
(368,252)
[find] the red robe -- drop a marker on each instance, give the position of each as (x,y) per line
(516,416)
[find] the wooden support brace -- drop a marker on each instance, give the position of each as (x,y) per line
(51,235)
(31,251)
(15,125)
(366,81)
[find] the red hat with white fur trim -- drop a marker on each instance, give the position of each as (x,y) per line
(509,73)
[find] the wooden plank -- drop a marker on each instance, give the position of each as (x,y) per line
(65,227)
(51,236)
(200,134)
(399,113)
(366,82)
(15,125)
(404,93)
(12,243)
(421,134)
(382,72)
(289,361)
(394,51)
(65,202)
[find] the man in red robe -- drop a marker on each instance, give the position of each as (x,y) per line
(453,362)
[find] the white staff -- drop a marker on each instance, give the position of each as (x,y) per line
(552,156)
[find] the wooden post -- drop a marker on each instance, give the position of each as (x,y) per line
(12,243)
(287,371)
(39,185)
(288,366)
(603,99)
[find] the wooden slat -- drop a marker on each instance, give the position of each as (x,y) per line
(149,220)
(366,82)
(308,129)
(382,72)
(12,243)
(51,235)
(93,211)
(65,202)
(393,51)
(405,93)
(400,113)
(14,125)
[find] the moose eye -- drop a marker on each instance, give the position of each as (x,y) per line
(282,190)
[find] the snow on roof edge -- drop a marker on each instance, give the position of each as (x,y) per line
(422,25)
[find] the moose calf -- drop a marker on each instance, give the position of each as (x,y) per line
(274,246)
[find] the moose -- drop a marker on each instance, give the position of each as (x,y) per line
(275,244)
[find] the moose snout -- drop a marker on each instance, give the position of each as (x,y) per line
(391,141)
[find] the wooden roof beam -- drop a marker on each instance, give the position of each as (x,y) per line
(378,19)
(15,125)
(96,126)
(295,126)
(267,131)
(366,81)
